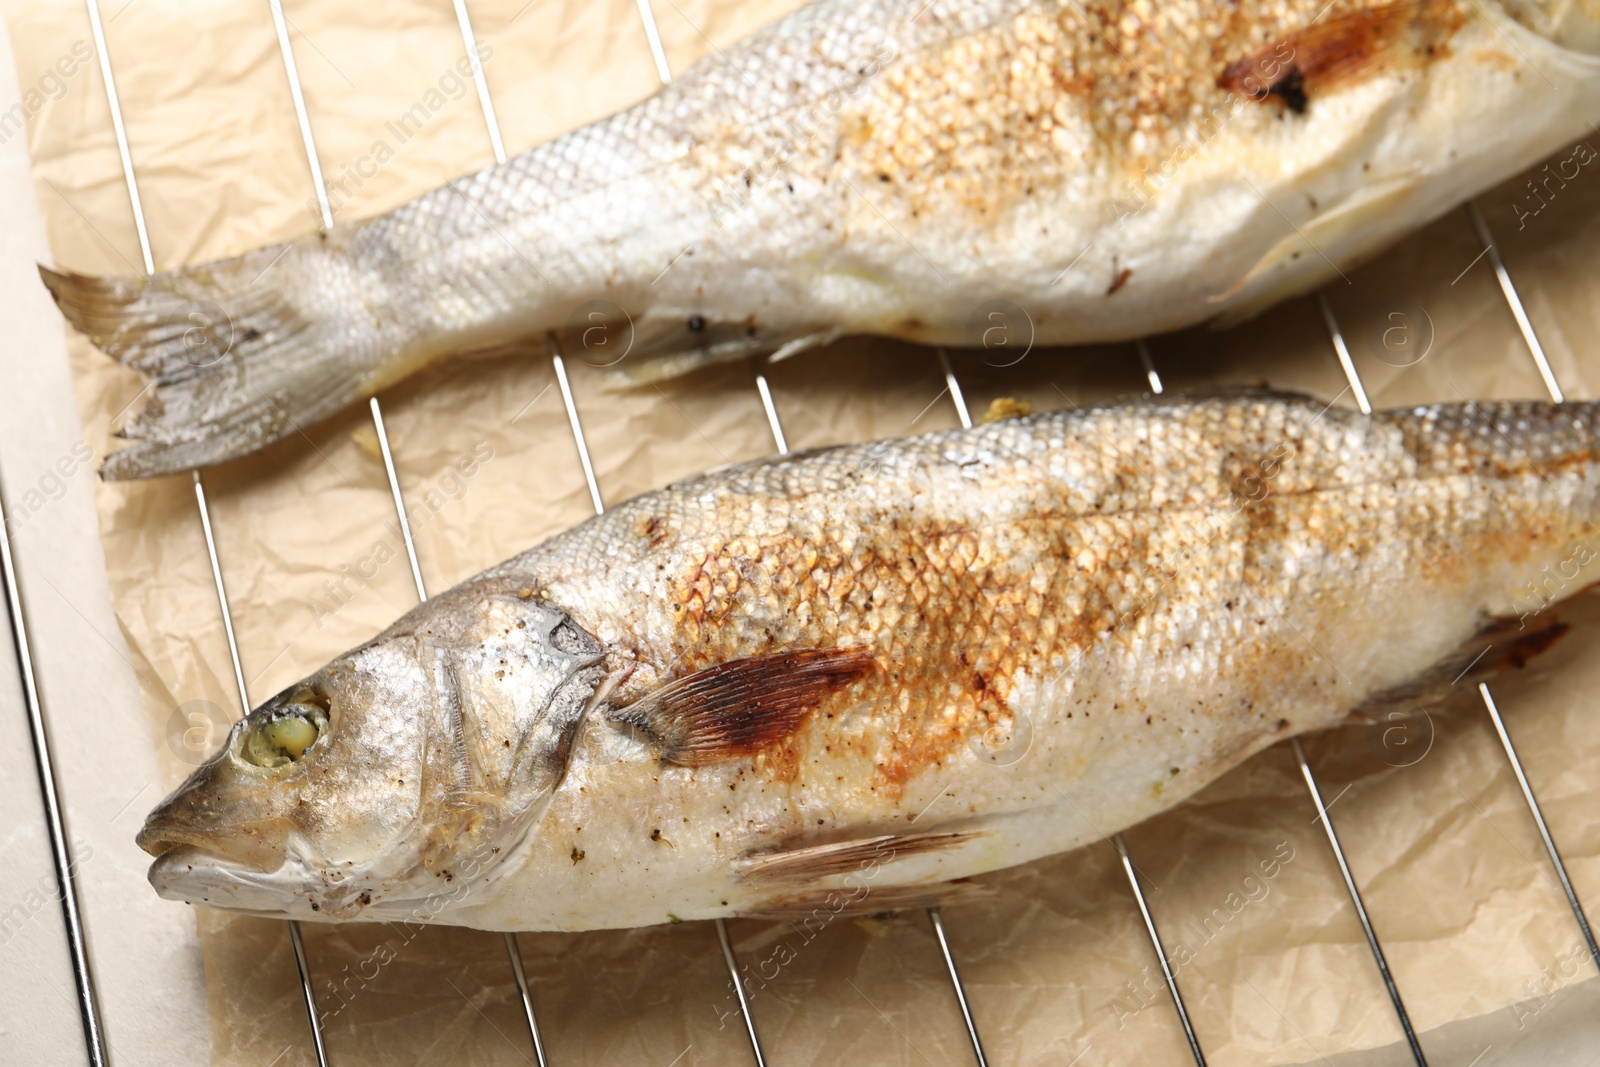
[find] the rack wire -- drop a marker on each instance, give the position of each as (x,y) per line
(1508,289)
(1404,1018)
(49,792)
(61,860)
(137,208)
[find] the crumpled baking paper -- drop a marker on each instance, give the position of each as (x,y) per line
(1240,879)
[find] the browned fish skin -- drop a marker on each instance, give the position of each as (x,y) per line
(1070,538)
(1147,593)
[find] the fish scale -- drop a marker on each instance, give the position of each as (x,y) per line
(859,676)
(1087,171)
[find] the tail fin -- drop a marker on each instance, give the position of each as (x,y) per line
(235,362)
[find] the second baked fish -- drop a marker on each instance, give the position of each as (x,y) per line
(959,172)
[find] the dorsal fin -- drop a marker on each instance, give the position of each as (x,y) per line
(745,705)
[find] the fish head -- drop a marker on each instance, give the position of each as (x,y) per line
(393,781)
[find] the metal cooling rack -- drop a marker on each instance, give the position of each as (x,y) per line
(81,964)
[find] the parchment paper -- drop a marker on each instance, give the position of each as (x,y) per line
(1272,962)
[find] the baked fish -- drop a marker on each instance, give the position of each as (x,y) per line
(955,172)
(850,679)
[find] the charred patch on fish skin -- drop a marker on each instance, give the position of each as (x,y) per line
(1291,89)
(1123,83)
(1343,49)
(652,530)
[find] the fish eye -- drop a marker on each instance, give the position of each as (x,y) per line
(283,735)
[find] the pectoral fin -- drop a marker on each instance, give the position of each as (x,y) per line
(805,343)
(741,707)
(818,906)
(661,349)
(813,863)
(1316,250)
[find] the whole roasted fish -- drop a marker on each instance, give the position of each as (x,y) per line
(953,172)
(849,678)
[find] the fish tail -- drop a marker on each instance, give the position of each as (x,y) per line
(236,355)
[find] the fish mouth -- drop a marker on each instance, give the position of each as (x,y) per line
(245,868)
(298,882)
(195,875)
